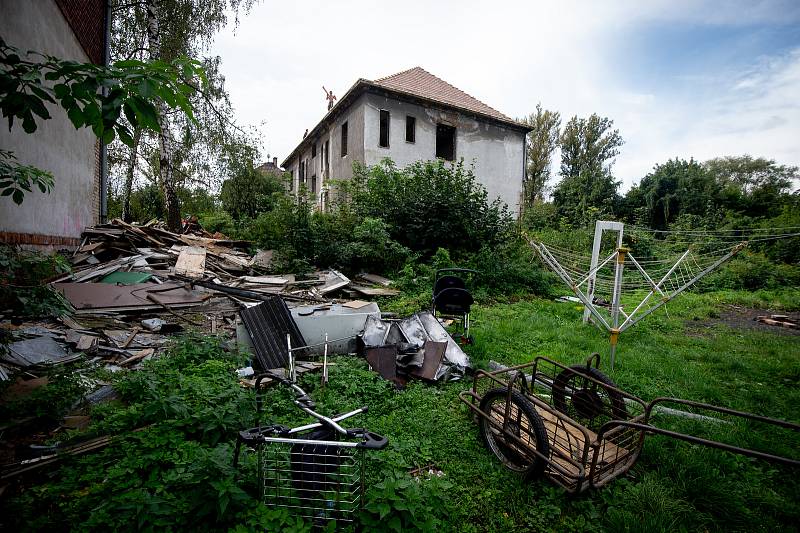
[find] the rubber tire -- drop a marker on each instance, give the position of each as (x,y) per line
(528,471)
(618,410)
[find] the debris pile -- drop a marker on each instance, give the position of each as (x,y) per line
(414,347)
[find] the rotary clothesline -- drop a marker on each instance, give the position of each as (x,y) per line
(664,279)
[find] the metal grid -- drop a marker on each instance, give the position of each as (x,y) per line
(318,480)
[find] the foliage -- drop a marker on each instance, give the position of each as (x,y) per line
(587,189)
(23,278)
(541,143)
(176,475)
(248,191)
(94,96)
(66,385)
(428,205)
(17,179)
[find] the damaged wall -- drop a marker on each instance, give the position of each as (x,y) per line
(498,152)
(54,219)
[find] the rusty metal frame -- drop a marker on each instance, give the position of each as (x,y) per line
(615,447)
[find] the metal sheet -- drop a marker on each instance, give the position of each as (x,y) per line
(35,351)
(434,353)
(106,296)
(342,324)
(268,323)
(383,360)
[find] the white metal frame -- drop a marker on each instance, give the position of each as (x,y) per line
(620,256)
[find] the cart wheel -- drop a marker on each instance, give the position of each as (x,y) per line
(588,399)
(523,422)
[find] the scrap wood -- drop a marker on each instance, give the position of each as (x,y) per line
(375,279)
(138,356)
(191,262)
(374,291)
(778,320)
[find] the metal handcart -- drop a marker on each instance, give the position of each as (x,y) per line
(316,471)
(573,425)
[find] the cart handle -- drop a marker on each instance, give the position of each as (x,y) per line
(724,410)
(647,428)
(459,270)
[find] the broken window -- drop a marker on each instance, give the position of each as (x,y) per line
(344,139)
(314,150)
(445,142)
(383,140)
(411,129)
(326,156)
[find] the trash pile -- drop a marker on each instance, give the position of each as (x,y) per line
(132,286)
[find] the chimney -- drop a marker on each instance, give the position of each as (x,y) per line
(275,161)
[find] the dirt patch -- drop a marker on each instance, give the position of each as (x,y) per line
(738,317)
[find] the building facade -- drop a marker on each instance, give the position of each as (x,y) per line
(74,30)
(408,117)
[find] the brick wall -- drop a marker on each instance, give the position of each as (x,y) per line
(87,20)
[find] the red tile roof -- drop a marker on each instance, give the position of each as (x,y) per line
(419,82)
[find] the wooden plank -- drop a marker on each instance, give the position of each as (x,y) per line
(191,262)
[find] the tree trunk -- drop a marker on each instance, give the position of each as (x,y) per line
(126,193)
(165,171)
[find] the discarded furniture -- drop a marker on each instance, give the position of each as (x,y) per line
(451,297)
(315,471)
(574,426)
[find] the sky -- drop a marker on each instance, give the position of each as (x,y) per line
(679,78)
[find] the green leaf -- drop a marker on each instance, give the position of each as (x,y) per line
(18,196)
(108,136)
(76,116)
(28,123)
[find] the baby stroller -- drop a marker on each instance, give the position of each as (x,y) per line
(451,299)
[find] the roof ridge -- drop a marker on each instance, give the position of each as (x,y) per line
(447,84)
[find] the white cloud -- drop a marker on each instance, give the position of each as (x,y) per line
(513,55)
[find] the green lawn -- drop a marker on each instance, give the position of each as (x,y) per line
(674,486)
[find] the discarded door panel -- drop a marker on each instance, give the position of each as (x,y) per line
(383,360)
(434,353)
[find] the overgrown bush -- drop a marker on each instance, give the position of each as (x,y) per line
(429,205)
(23,282)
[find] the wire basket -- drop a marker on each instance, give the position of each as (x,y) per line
(318,479)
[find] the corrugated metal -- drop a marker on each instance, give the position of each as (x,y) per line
(268,323)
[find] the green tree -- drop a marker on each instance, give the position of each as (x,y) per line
(248,191)
(187,152)
(541,143)
(677,187)
(93,96)
(755,187)
(587,188)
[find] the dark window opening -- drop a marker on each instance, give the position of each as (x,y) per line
(291,182)
(314,150)
(411,129)
(383,141)
(445,142)
(314,184)
(326,156)
(344,139)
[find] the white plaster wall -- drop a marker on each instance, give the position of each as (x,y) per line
(55,146)
(497,152)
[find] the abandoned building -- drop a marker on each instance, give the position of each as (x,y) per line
(69,30)
(408,117)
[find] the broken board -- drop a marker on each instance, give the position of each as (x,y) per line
(191,262)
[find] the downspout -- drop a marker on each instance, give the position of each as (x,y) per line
(103,148)
(522,196)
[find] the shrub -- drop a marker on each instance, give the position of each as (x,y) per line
(429,205)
